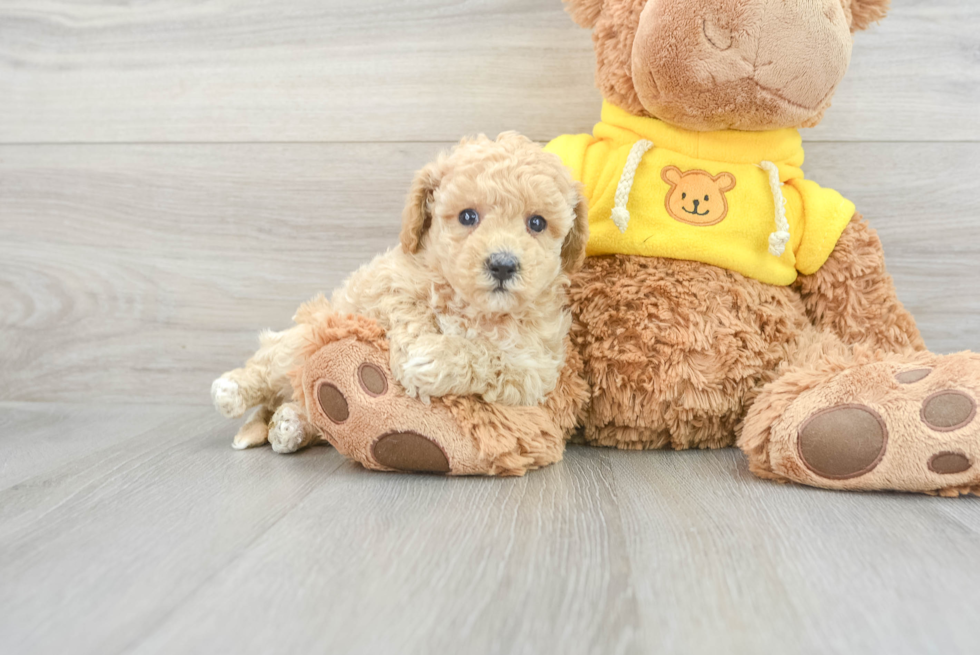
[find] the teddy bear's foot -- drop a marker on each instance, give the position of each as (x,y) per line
(353,401)
(904,424)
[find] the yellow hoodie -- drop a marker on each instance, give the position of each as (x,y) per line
(737,200)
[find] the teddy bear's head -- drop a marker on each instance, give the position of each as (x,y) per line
(724,64)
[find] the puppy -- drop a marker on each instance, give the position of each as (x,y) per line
(472,301)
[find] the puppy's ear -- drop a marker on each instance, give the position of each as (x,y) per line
(865,12)
(584,12)
(573,250)
(417,217)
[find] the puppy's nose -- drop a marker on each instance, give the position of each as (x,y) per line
(502,266)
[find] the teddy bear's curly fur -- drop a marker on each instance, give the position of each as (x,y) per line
(824,382)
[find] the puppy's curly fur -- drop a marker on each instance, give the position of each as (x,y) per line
(453,328)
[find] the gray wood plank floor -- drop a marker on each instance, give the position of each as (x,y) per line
(163,540)
(176,176)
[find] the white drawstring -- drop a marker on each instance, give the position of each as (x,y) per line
(621,215)
(779,238)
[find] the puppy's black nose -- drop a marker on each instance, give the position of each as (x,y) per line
(502,266)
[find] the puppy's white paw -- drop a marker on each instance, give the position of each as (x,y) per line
(227,398)
(287,432)
(422,378)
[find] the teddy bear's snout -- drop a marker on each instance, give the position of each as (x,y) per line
(778,62)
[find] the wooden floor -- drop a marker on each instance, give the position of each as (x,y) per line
(175,176)
(127,529)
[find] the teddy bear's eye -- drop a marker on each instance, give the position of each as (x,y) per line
(537,224)
(683,196)
(469,217)
(706,198)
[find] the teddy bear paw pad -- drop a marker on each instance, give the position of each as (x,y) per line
(364,413)
(372,379)
(913,376)
(843,442)
(947,411)
(950,463)
(410,452)
(333,403)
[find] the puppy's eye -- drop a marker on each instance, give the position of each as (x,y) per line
(683,196)
(537,224)
(469,217)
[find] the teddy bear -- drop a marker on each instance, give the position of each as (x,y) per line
(726,299)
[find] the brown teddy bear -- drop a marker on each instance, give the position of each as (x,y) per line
(726,299)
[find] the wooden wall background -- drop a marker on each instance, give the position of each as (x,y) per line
(176,175)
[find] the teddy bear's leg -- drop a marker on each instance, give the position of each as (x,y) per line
(853,295)
(352,398)
(852,418)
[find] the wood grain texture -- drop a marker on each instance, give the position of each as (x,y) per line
(146,271)
(170,542)
(386,70)
(851,572)
(39,437)
(97,551)
(192,171)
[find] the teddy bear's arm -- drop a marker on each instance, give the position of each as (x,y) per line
(853,295)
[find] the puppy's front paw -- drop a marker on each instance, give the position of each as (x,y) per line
(512,394)
(288,431)
(419,376)
(227,398)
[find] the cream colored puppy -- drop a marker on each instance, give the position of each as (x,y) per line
(472,301)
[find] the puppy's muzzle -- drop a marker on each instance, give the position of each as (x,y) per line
(502,266)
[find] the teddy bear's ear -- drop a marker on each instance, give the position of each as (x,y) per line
(866,12)
(573,250)
(417,217)
(584,12)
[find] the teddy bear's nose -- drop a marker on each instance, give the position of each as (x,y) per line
(502,266)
